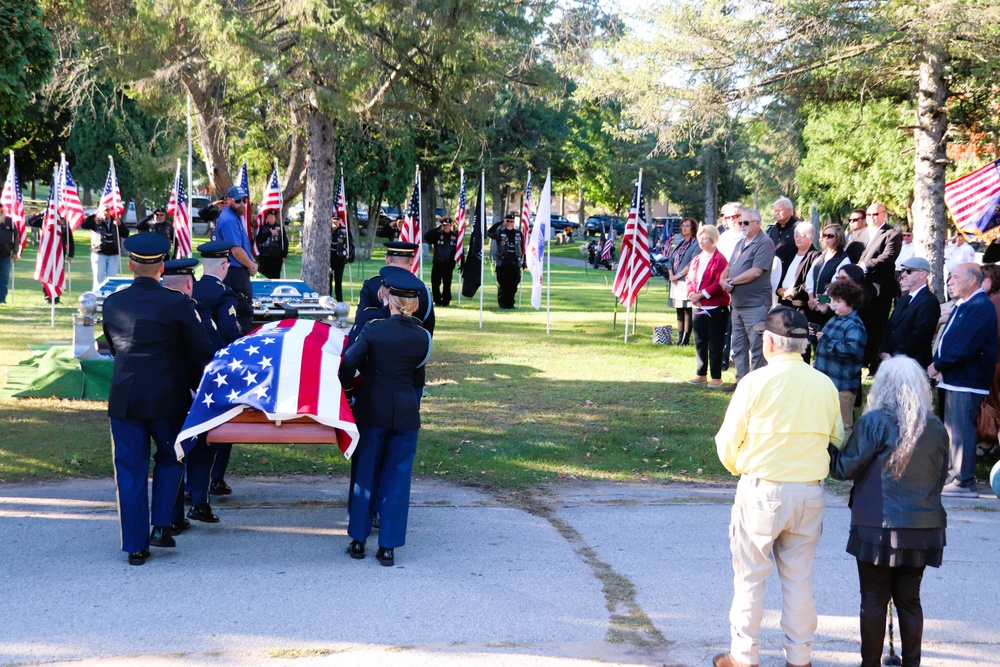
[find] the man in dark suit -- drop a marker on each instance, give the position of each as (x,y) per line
(964,360)
(914,319)
(882,247)
(155,335)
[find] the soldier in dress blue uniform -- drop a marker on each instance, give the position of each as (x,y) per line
(398,253)
(212,293)
(154,334)
(178,274)
(387,413)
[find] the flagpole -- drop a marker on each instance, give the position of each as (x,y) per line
(461,184)
(548,274)
(281,221)
(420,224)
(482,243)
(190,184)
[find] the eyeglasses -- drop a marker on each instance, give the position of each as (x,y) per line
(855,219)
(829,236)
(242,201)
(871,215)
(745,223)
(731,217)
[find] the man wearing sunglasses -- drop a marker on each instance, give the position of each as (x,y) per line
(882,246)
(230,228)
(905,252)
(911,328)
(852,245)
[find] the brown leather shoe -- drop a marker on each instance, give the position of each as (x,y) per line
(727,660)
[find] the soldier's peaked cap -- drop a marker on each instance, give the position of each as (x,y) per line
(400,249)
(215,249)
(180,267)
(401,282)
(147,248)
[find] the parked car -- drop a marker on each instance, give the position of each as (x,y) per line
(559,223)
(592,225)
(661,226)
(200,226)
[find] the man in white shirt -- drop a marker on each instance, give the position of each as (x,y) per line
(905,252)
(957,253)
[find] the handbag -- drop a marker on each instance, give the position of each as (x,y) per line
(663,335)
(988,424)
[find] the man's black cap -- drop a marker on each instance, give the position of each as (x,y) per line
(400,281)
(159,209)
(400,249)
(785,322)
(180,267)
(215,249)
(147,248)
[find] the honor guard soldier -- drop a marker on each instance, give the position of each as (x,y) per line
(444,239)
(230,228)
(154,334)
(387,413)
(156,222)
(398,253)
(509,256)
(178,274)
(220,300)
(341,253)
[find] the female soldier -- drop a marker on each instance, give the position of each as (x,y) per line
(393,352)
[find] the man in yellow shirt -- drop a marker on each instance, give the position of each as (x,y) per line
(775,437)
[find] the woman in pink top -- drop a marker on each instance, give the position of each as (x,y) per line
(711,307)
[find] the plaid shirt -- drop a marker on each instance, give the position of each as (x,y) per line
(840,351)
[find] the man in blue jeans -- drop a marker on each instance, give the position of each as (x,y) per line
(748,281)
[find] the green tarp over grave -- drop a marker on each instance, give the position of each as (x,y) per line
(53,372)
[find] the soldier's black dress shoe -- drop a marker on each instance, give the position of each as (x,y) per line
(138,557)
(161,537)
(203,512)
(219,488)
(357,549)
(385,557)
(179,526)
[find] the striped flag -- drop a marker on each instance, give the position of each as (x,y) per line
(70,208)
(13,205)
(633,267)
(410,232)
(271,201)
(526,217)
(340,202)
(608,247)
(460,215)
(177,207)
(243,180)
(111,198)
(285,369)
(973,198)
(49,265)
(540,234)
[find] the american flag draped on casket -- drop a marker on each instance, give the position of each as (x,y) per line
(287,370)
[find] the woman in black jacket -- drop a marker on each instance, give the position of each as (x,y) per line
(897,456)
(392,353)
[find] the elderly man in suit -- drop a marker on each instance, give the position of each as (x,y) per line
(878,259)
(964,360)
(914,319)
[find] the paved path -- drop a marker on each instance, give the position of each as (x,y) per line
(616,574)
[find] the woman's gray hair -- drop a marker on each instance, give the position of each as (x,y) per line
(901,391)
(784,344)
(807,228)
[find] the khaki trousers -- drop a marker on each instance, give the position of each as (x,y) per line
(774,523)
(847,400)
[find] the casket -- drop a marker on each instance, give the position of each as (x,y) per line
(252,427)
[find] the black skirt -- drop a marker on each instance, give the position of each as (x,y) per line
(912,547)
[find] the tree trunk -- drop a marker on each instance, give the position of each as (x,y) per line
(930,139)
(206,97)
(295,173)
(582,214)
(374,214)
(428,200)
(88,199)
(321,170)
(710,170)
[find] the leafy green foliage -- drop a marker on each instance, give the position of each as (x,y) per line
(26,58)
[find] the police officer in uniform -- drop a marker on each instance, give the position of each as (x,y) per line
(398,253)
(220,300)
(273,244)
(178,274)
(154,334)
(230,228)
(156,222)
(509,256)
(444,239)
(387,413)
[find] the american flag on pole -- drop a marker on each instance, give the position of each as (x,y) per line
(271,201)
(111,198)
(973,198)
(633,266)
(609,244)
(340,202)
(410,232)
(243,180)
(460,215)
(177,207)
(287,370)
(13,205)
(49,265)
(70,208)
(526,217)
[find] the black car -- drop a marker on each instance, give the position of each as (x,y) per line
(592,226)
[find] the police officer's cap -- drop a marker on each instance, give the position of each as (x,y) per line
(236,192)
(400,249)
(147,248)
(158,210)
(401,282)
(180,267)
(215,249)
